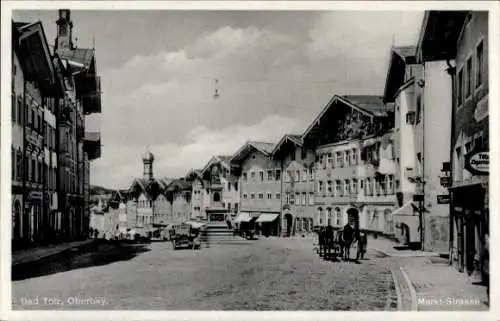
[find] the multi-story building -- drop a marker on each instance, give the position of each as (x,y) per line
(260,185)
(78,147)
(354,168)
(200,198)
(34,87)
(179,192)
(297,184)
(400,89)
(463,43)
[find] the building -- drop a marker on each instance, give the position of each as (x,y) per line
(260,185)
(78,146)
(200,197)
(463,43)
(404,75)
(354,165)
(34,160)
(179,191)
(297,184)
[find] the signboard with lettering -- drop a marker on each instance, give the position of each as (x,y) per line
(478,162)
(443,199)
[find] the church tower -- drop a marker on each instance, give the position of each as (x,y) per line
(64,39)
(148,159)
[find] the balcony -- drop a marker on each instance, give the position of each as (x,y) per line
(92,145)
(89,92)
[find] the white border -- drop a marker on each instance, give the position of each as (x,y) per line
(5,218)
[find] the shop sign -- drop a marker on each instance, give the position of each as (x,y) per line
(35,195)
(443,199)
(478,162)
(445,181)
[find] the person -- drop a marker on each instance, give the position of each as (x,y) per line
(228,222)
(328,238)
(362,243)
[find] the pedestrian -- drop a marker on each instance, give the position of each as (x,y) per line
(329,238)
(362,244)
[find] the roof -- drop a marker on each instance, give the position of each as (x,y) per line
(263,147)
(439,35)
(225,158)
(294,138)
(369,103)
(164,182)
(79,55)
(179,184)
(399,58)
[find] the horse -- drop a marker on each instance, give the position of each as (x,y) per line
(345,239)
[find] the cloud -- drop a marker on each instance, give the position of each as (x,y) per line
(270,82)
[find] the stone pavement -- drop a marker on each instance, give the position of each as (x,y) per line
(426,282)
(35,254)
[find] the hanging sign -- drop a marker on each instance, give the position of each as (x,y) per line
(478,162)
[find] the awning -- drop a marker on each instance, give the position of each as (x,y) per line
(243,217)
(195,224)
(407,209)
(267,218)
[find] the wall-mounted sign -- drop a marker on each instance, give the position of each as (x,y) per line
(443,199)
(445,181)
(35,195)
(478,162)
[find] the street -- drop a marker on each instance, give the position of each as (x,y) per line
(265,274)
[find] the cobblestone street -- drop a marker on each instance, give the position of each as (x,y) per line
(265,274)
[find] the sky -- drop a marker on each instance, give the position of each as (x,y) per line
(275,72)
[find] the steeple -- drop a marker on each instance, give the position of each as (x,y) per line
(148,159)
(64,39)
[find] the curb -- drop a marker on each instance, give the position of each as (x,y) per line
(413,292)
(54,254)
(398,291)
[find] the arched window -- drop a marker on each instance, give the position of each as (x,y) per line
(375,220)
(329,216)
(320,216)
(216,197)
(338,216)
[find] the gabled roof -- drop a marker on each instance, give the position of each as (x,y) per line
(370,105)
(80,57)
(223,160)
(249,146)
(164,182)
(400,57)
(179,184)
(294,138)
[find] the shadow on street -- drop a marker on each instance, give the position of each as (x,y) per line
(97,253)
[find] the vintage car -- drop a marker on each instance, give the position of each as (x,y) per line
(185,235)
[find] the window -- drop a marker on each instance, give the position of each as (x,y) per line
(261,196)
(322,161)
(297,176)
(361,185)
(468,83)
(347,187)
(347,157)
(278,174)
(245,178)
(229,186)
(236,207)
(460,80)
(390,184)
(252,196)
(311,198)
(320,187)
(20,110)
(329,160)
(297,198)
(355,186)
(245,196)
(338,190)
(338,216)
(329,187)
(338,159)
(252,174)
(354,157)
(269,196)
(304,202)
(229,207)
(236,186)
(19,165)
(369,188)
(292,199)
(410,118)
(304,175)
(269,175)
(329,215)
(383,189)
(479,64)
(278,196)
(261,175)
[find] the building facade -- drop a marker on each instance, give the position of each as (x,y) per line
(297,210)
(466,51)
(354,166)
(404,76)
(260,183)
